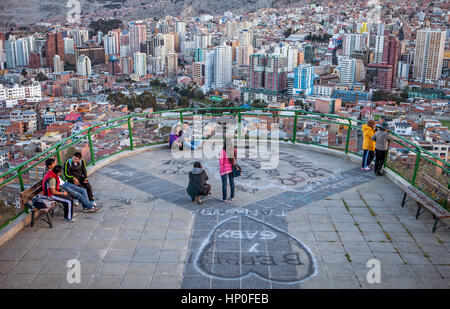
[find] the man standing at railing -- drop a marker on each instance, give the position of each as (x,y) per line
(368,145)
(382,138)
(75,171)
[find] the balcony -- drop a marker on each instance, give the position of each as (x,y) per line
(314,220)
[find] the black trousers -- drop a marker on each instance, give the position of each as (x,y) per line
(380,156)
(87,186)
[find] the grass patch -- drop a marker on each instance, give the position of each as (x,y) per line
(445,123)
(348,257)
(346,206)
(387,236)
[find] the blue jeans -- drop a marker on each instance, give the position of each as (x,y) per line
(224,185)
(78,193)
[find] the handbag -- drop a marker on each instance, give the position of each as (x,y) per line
(237,171)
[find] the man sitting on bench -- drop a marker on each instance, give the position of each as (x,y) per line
(74,191)
(51,186)
(75,172)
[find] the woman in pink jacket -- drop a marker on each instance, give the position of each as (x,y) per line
(226,161)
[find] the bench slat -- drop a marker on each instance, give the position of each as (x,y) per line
(427,202)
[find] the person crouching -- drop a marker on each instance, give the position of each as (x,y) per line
(197,186)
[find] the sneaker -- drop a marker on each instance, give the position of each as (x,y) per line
(363,168)
(378,174)
(367,169)
(76,203)
(93,203)
(70,220)
(231,199)
(225,201)
(96,209)
(89,209)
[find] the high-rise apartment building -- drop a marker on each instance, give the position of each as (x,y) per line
(222,66)
(351,70)
(58,65)
(55,46)
(84,67)
(171,64)
(429,55)
(209,70)
(352,42)
(390,55)
(140,64)
(303,80)
(138,35)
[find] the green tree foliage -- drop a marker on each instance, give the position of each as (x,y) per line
(258,104)
(171,103)
(380,95)
(104,25)
(41,77)
(184,102)
(133,101)
(192,93)
(301,104)
(325,37)
(288,32)
(155,83)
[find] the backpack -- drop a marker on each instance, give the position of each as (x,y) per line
(41,201)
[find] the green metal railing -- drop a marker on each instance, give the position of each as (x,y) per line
(346,128)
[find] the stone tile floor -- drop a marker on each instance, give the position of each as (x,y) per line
(312,222)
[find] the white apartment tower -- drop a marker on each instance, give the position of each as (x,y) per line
(84,67)
(429,55)
(222,66)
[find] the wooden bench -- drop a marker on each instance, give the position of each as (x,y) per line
(26,201)
(423,201)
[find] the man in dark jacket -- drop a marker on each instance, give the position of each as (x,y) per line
(197,183)
(382,138)
(75,171)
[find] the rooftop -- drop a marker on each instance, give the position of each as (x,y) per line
(312,222)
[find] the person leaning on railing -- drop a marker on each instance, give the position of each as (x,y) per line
(76,172)
(368,145)
(382,138)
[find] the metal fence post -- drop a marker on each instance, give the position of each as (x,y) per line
(91,148)
(349,131)
(58,155)
(239,123)
(294,130)
(416,167)
(130,133)
(22,187)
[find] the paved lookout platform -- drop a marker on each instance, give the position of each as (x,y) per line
(312,222)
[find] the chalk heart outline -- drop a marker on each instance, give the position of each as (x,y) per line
(312,264)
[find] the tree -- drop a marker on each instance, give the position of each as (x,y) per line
(155,83)
(258,104)
(104,26)
(41,77)
(288,32)
(171,103)
(184,102)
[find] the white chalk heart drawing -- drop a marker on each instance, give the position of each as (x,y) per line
(242,246)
